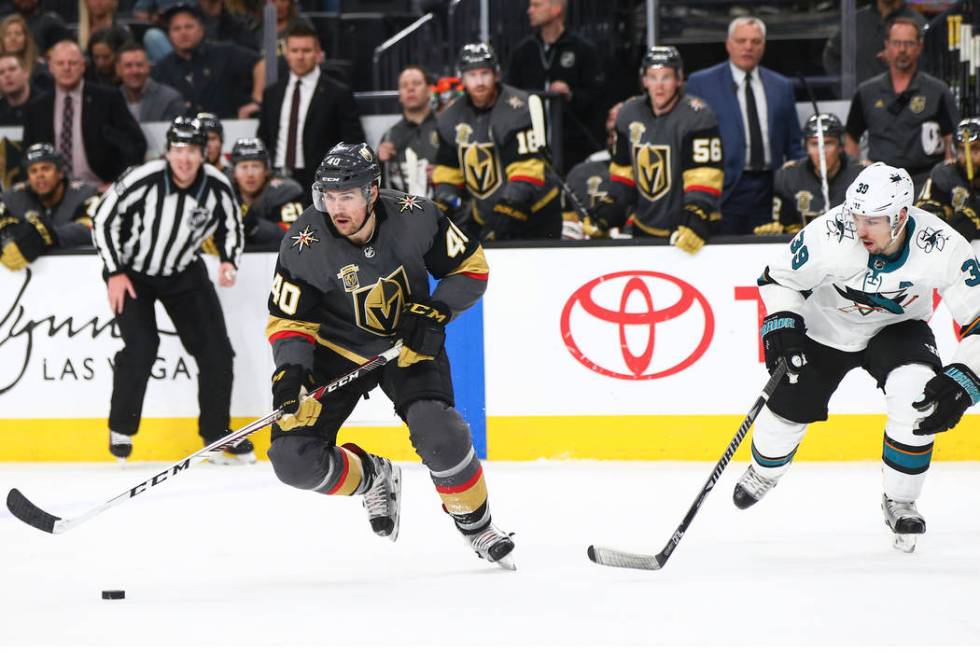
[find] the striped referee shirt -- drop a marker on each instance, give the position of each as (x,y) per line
(146,224)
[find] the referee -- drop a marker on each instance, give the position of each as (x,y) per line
(148,230)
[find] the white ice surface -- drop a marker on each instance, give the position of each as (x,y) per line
(231,556)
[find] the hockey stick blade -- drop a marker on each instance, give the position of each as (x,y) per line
(614,558)
(25,510)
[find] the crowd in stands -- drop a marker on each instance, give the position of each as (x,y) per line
(696,155)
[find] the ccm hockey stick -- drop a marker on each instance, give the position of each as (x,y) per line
(536,108)
(615,558)
(24,510)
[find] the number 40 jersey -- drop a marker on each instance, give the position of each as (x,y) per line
(847,295)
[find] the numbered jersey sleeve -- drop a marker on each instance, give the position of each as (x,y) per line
(294,318)
(962,296)
(459,264)
(78,232)
(701,169)
(785,187)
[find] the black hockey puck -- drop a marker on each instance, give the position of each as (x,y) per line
(113,595)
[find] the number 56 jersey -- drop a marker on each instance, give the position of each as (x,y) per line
(847,295)
(329,293)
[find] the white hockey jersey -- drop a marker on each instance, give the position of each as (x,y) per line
(847,295)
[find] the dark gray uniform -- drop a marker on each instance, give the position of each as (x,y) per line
(798,192)
(493,156)
(666,165)
(71,219)
(948,194)
(274,212)
(335,304)
(422,138)
(905,130)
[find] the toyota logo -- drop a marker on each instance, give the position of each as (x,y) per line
(623,304)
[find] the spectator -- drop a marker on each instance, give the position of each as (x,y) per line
(798,196)
(89,124)
(149,230)
(666,160)
(220,78)
(16,39)
(586,181)
(415,132)
(46,28)
(270,204)
(870,27)
(756,113)
(558,60)
(488,151)
(148,100)
(49,210)
(103,48)
(951,190)
(15,89)
(222,25)
(212,128)
(300,126)
(909,115)
(287,17)
(96,15)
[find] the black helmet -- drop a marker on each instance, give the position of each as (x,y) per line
(832,126)
(967,130)
(346,165)
(43,152)
(476,55)
(249,149)
(186,130)
(660,56)
(210,124)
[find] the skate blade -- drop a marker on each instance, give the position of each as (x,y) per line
(905,542)
(508,562)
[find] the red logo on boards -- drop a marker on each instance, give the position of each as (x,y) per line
(624,303)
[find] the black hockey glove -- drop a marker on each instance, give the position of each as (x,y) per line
(289,396)
(422,329)
(952,391)
(448,201)
(783,337)
(25,240)
(606,214)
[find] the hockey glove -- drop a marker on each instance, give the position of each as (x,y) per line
(25,240)
(289,396)
(769,228)
(422,329)
(692,234)
(783,337)
(952,391)
(605,215)
(448,201)
(966,222)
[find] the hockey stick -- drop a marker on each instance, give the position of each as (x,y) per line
(23,509)
(536,108)
(824,187)
(615,558)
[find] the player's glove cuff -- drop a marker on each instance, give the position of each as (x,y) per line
(950,393)
(422,329)
(784,336)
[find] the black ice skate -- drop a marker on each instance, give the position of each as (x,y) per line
(120,445)
(383,499)
(493,545)
(904,520)
(242,453)
(751,487)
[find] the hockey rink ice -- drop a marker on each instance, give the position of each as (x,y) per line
(229,556)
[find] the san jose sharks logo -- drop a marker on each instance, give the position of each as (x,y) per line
(930,239)
(866,303)
(840,228)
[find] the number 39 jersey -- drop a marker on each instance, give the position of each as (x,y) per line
(673,161)
(329,292)
(847,295)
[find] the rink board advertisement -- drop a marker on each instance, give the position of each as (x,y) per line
(631,352)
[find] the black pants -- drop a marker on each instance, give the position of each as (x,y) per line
(192,304)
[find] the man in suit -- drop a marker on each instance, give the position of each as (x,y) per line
(148,100)
(759,129)
(15,90)
(89,124)
(307,113)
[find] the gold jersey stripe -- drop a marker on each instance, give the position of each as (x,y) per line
(541,203)
(447,175)
(653,231)
(467,501)
(353,474)
(624,171)
(712,178)
(531,168)
(277,324)
(337,349)
(475,263)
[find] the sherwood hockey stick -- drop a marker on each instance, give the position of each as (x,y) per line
(615,558)
(536,108)
(24,510)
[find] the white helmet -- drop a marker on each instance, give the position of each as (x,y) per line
(881,190)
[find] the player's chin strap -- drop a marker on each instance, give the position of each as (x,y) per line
(897,230)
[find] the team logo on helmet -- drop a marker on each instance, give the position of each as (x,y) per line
(652,163)
(917,104)
(366,154)
(592,185)
(959,197)
(377,307)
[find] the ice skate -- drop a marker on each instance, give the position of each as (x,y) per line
(383,500)
(751,487)
(903,518)
(242,453)
(120,445)
(493,545)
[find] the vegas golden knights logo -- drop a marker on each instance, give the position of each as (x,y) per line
(652,165)
(348,274)
(804,199)
(592,188)
(960,195)
(377,307)
(481,168)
